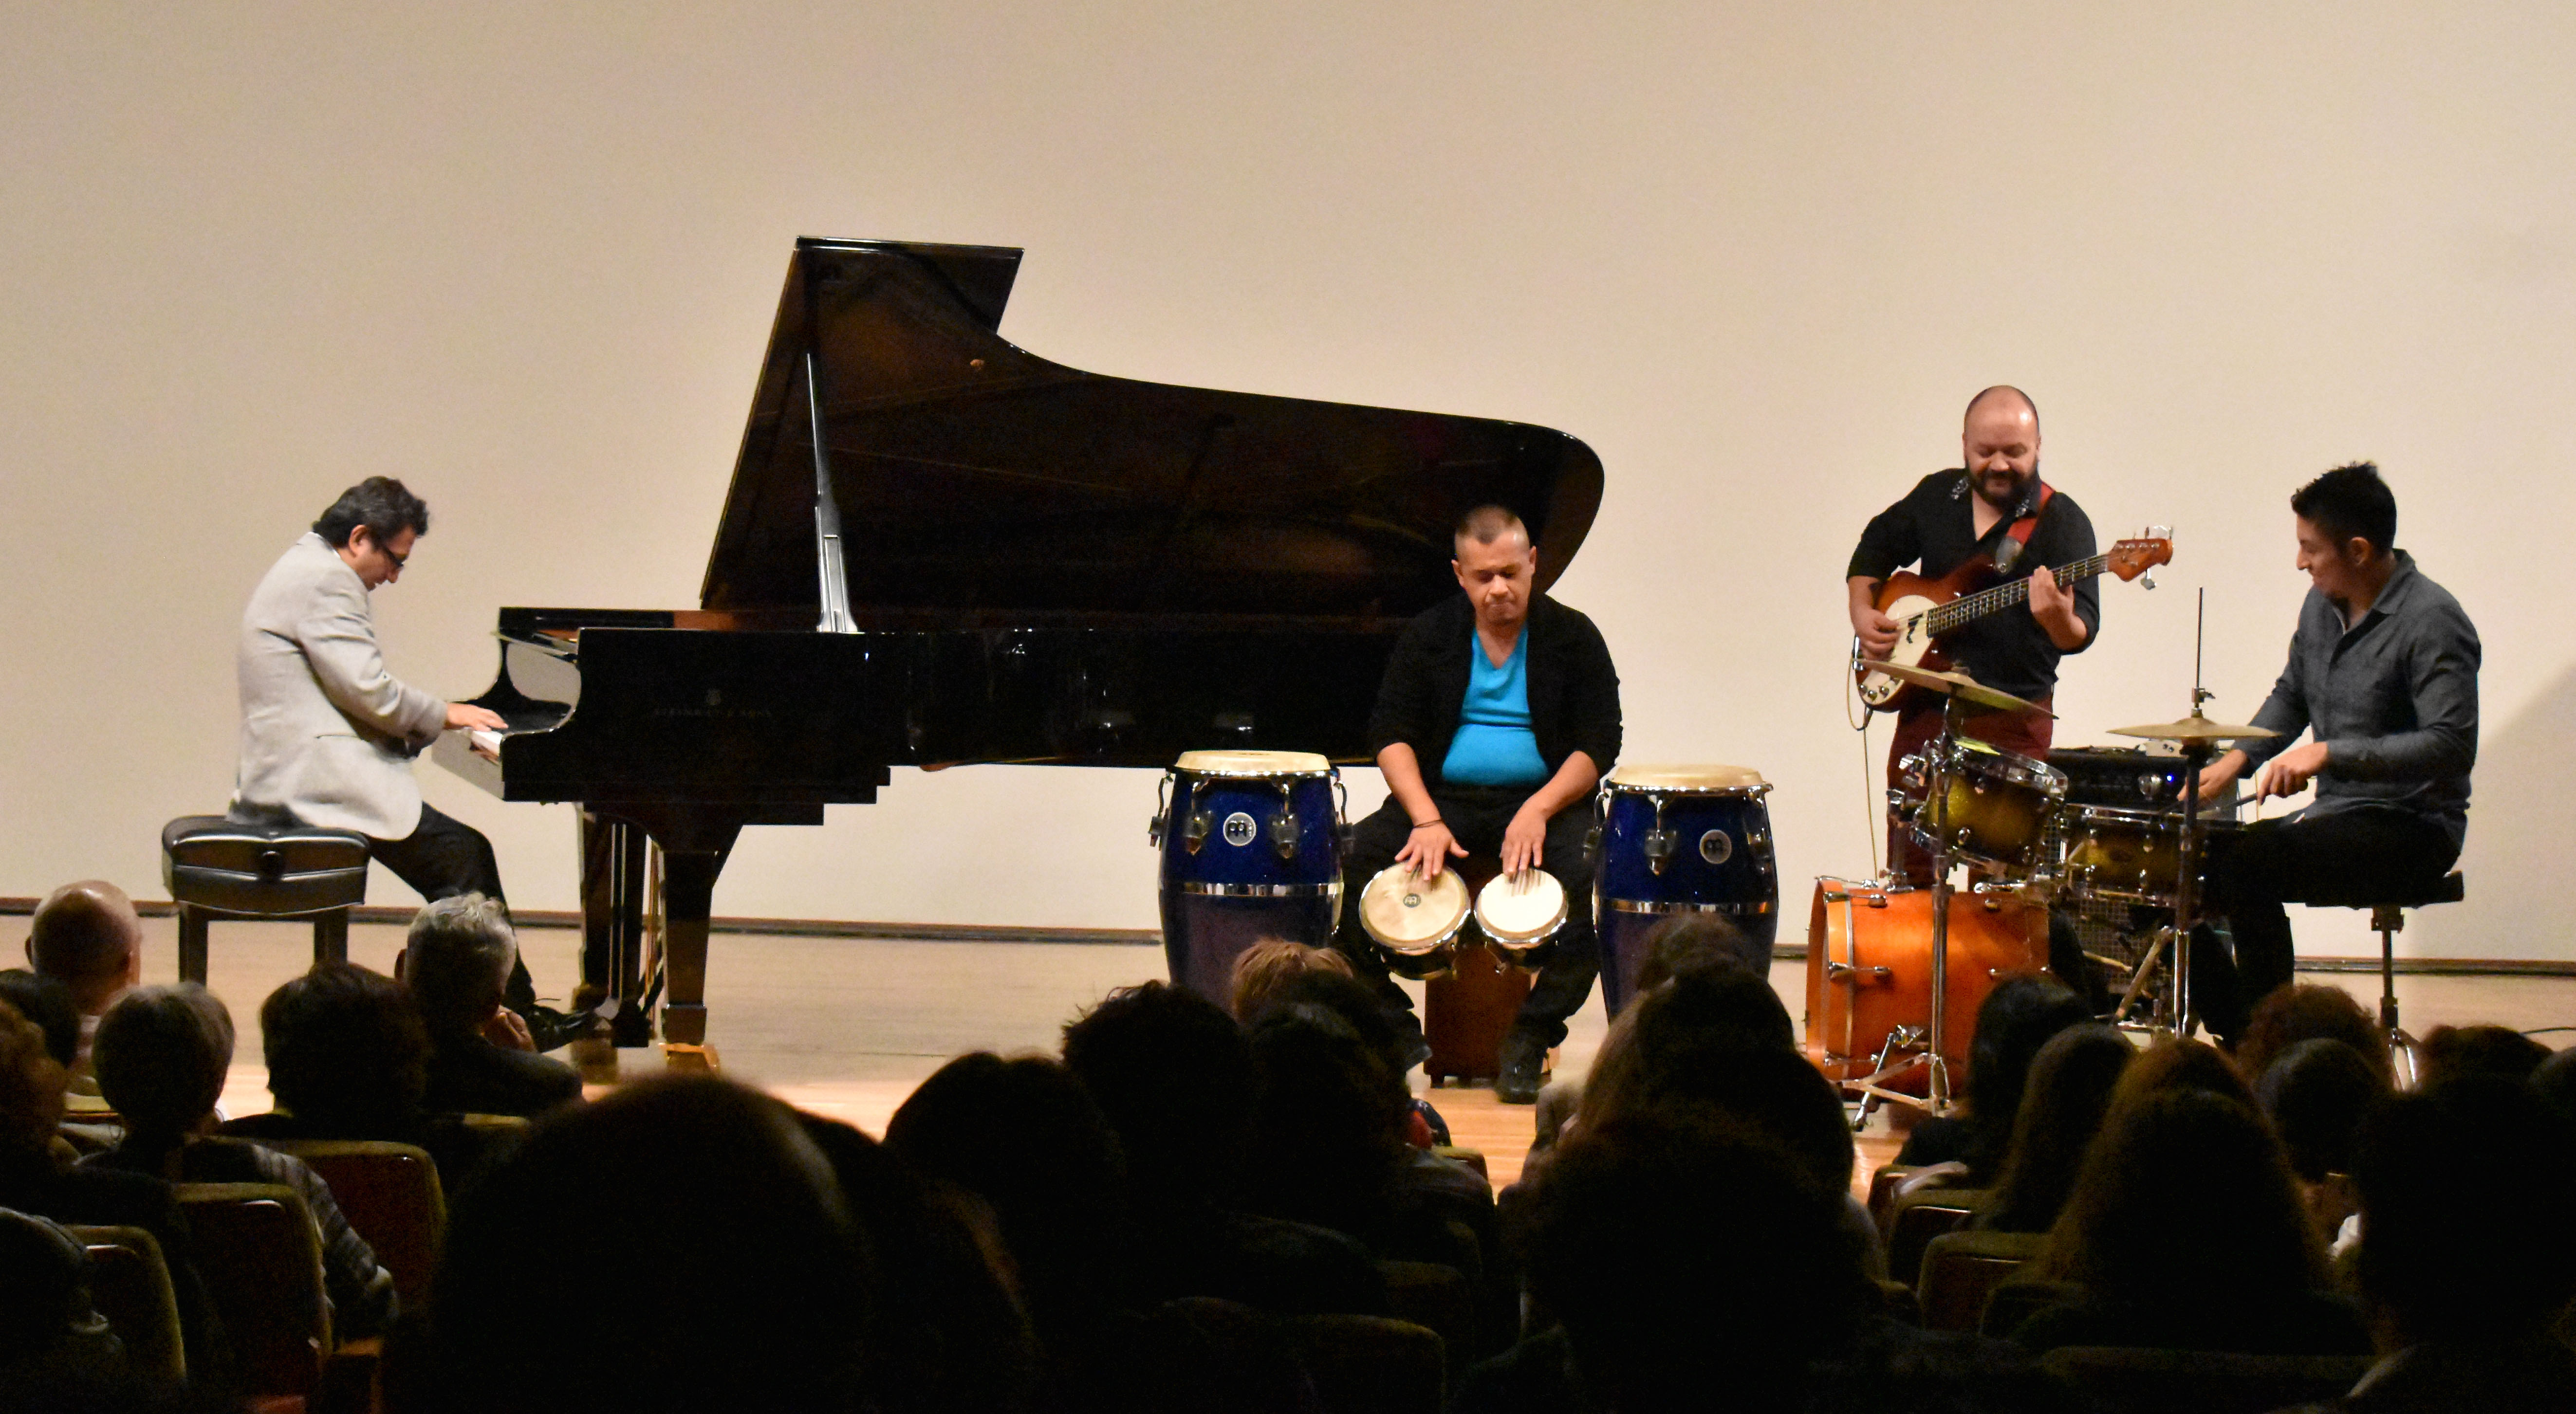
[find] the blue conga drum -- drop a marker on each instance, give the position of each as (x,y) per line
(1679,840)
(1252,849)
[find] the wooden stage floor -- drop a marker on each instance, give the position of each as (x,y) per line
(846,1027)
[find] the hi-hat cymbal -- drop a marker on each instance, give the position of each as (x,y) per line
(2195,728)
(1958,685)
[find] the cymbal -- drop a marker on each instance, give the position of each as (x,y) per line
(2195,728)
(1958,685)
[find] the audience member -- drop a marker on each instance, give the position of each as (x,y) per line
(48,1004)
(2309,1011)
(1173,1074)
(348,1058)
(37,1178)
(1700,1020)
(2466,1259)
(2317,1095)
(56,1351)
(1337,990)
(704,1200)
(1686,942)
(2016,1019)
(2062,1105)
(1262,968)
(456,964)
(2555,1083)
(1027,1139)
(88,937)
(161,1055)
(2449,1052)
(2185,1231)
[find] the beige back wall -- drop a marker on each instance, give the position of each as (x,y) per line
(1757,256)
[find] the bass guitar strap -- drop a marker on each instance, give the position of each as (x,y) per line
(2017,535)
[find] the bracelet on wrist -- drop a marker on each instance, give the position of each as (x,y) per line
(1426,824)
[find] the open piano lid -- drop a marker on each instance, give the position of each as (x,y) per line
(973,478)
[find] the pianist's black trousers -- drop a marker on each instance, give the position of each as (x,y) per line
(2332,856)
(1477,817)
(443,857)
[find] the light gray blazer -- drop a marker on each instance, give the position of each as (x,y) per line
(327,734)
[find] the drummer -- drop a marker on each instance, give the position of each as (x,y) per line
(1497,716)
(1992,507)
(2383,674)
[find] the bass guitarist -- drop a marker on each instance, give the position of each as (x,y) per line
(1996,512)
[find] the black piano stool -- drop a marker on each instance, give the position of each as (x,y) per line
(2388,917)
(218,867)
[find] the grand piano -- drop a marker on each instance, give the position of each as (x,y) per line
(939,549)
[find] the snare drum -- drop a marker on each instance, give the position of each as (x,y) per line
(1869,971)
(1415,921)
(1521,917)
(2135,856)
(1251,844)
(1678,840)
(1997,808)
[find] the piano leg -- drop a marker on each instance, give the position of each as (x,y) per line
(688,888)
(613,861)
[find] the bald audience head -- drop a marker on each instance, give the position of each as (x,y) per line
(88,937)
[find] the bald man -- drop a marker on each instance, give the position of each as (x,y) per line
(88,937)
(1497,716)
(1992,507)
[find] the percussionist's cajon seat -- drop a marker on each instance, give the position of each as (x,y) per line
(219,867)
(1467,1010)
(2388,917)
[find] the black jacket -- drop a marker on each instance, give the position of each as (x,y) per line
(1573,690)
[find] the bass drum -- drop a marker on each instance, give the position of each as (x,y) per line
(1252,849)
(1869,972)
(1679,840)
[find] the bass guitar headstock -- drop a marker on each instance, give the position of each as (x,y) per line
(2130,558)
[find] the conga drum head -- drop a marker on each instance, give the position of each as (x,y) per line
(1410,915)
(1705,780)
(1517,911)
(1252,763)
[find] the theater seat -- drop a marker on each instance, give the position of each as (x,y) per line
(2124,1381)
(129,1284)
(1370,1364)
(1922,1215)
(261,1259)
(391,1196)
(1961,1269)
(1437,1298)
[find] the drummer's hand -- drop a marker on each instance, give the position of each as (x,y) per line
(1876,631)
(2215,778)
(1523,841)
(1429,849)
(2290,772)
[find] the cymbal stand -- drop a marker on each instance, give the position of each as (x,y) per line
(1935,1098)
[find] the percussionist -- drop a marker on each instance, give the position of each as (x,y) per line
(1499,712)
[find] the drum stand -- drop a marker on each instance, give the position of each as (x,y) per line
(1872,1088)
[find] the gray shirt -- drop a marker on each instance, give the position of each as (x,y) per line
(2394,697)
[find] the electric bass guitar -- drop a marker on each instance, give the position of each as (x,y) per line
(1926,609)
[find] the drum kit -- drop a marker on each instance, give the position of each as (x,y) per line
(1896,973)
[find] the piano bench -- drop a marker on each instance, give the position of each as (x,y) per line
(219,867)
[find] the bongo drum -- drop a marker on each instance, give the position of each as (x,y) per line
(1252,849)
(1522,915)
(1415,921)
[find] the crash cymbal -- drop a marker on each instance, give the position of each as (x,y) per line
(1958,685)
(2195,728)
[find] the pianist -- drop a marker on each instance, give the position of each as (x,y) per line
(327,734)
(1499,712)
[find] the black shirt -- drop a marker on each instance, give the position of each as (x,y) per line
(469,1075)
(1935,526)
(1573,689)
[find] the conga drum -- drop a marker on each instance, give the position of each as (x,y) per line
(1252,849)
(1680,840)
(1869,972)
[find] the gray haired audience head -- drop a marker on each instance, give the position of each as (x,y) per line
(457,959)
(161,1055)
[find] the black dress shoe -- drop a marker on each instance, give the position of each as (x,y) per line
(553,1030)
(1524,1062)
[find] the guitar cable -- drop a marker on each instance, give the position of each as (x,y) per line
(1860,726)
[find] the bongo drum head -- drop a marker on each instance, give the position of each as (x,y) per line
(1523,909)
(1406,913)
(1253,763)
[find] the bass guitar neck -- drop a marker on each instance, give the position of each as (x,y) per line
(1926,610)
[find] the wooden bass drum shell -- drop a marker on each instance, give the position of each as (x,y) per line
(1857,928)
